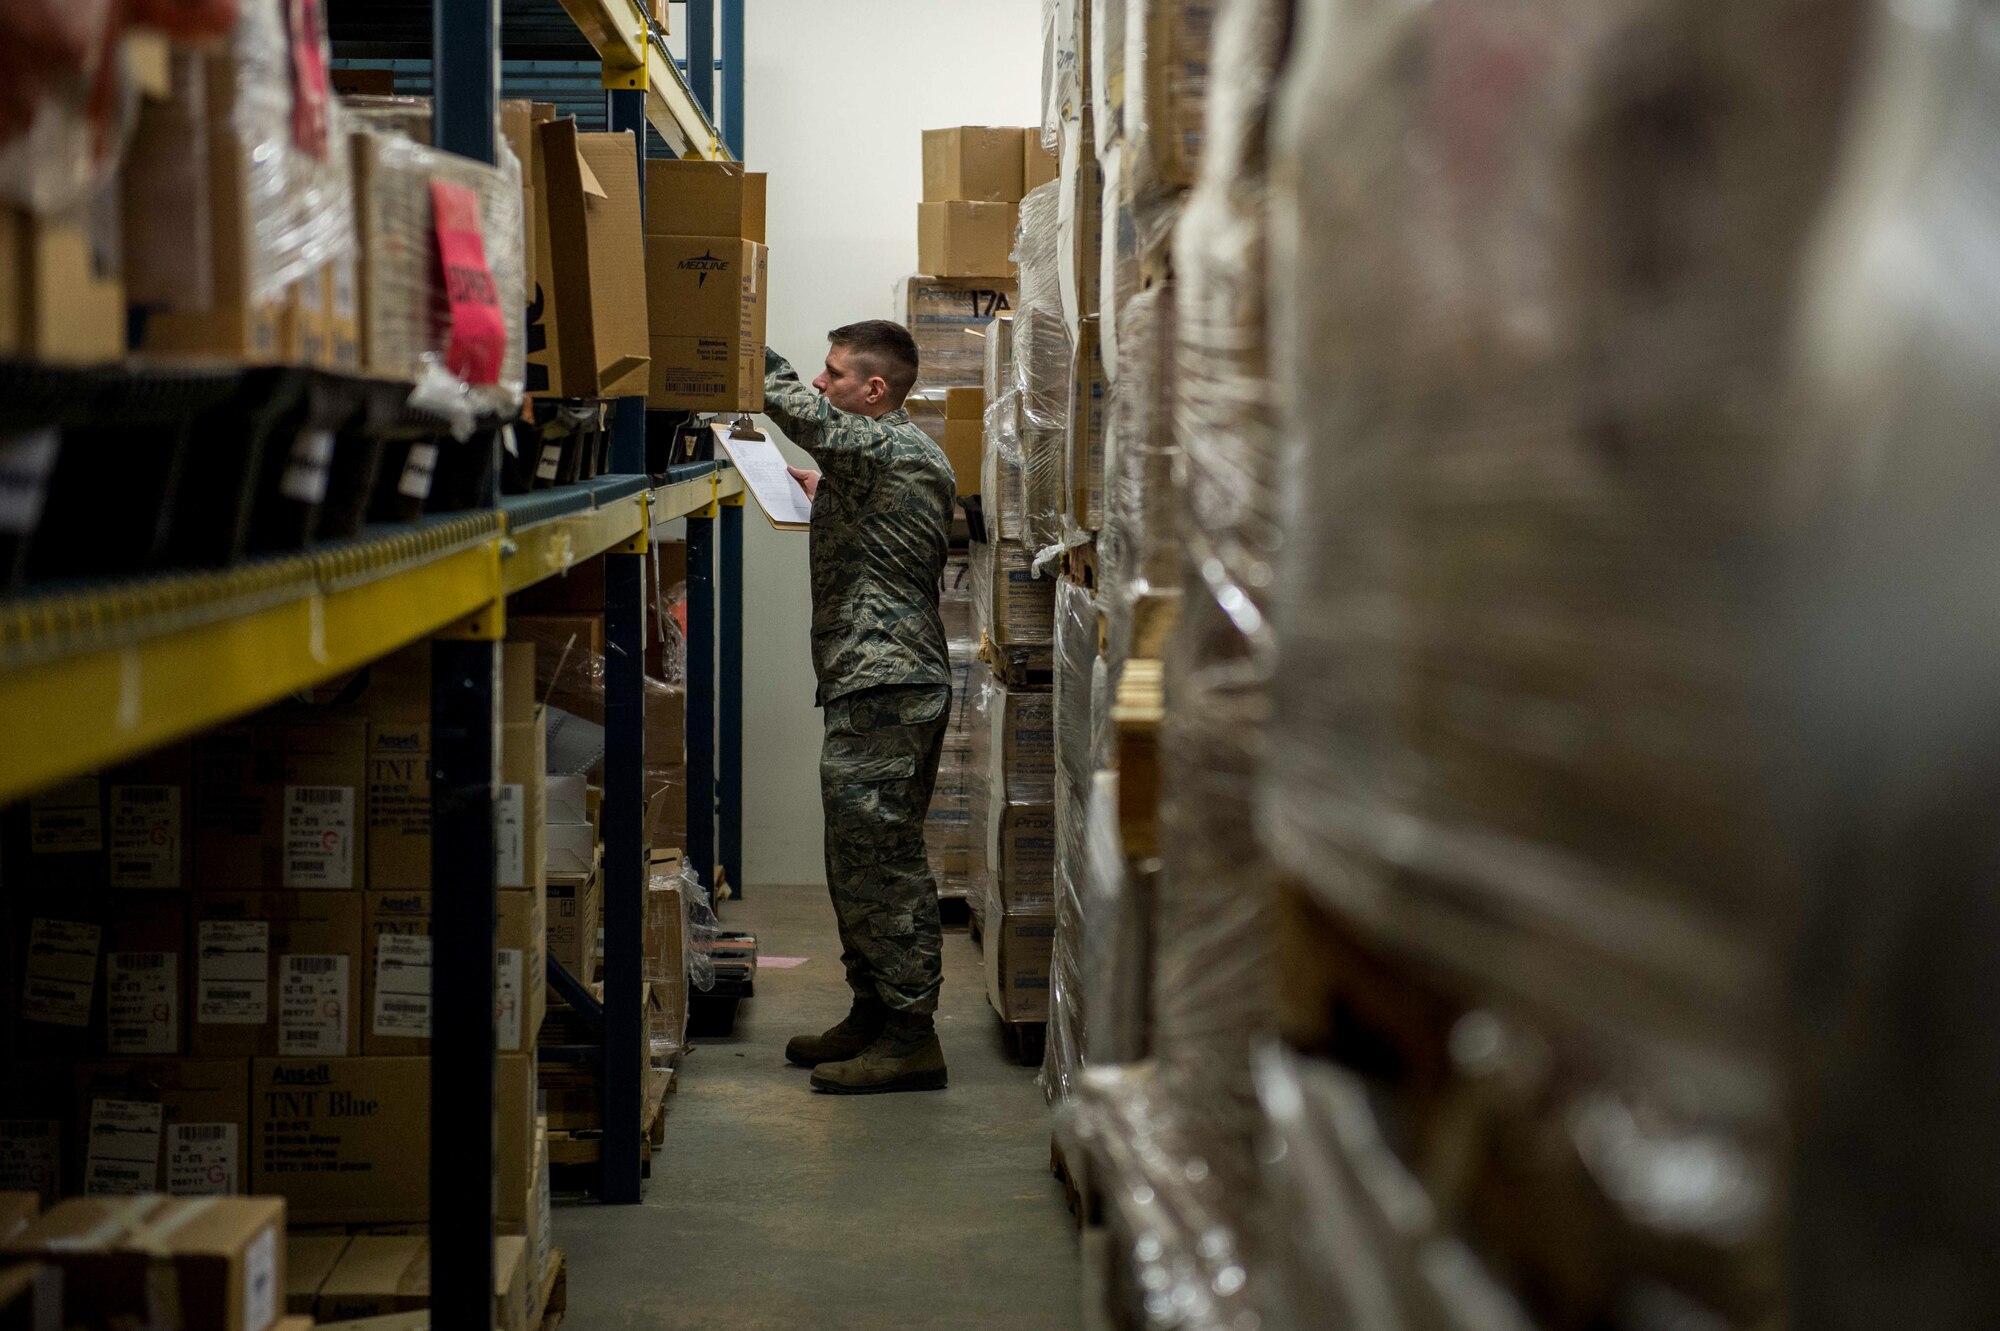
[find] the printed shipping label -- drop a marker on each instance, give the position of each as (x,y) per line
(319,836)
(233,974)
(124,1154)
(201,1159)
(418,469)
(312,1005)
(260,1280)
(547,465)
(308,467)
(511,835)
(403,986)
(142,1003)
(65,820)
(145,836)
(61,972)
(30,1152)
(507,999)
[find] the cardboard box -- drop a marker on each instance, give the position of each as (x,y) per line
(52,998)
(281,805)
(16,1210)
(1020,850)
(334,1135)
(1017,609)
(1017,747)
(227,1255)
(148,820)
(535,1226)
(964,239)
(1083,446)
(163,187)
(696,198)
(597,259)
(275,973)
(708,297)
(1038,165)
(65,835)
(575,911)
(572,849)
(1019,951)
(384,1274)
(964,437)
(144,1008)
(62,299)
(37,1114)
(399,805)
(666,953)
(178,1126)
(981,162)
(396,1014)
(309,1260)
(523,856)
(949,321)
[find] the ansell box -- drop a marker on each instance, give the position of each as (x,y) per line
(282,805)
(275,973)
(173,1125)
(396,998)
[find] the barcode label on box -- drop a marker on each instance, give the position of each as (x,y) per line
(233,972)
(307,467)
(64,819)
(145,836)
(123,1157)
(61,972)
(511,835)
(312,1005)
(551,459)
(507,999)
(418,471)
(201,1159)
(30,1152)
(142,1002)
(403,986)
(319,836)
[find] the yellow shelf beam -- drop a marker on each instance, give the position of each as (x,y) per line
(683,498)
(620,34)
(550,549)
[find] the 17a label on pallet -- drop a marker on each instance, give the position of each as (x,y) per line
(319,836)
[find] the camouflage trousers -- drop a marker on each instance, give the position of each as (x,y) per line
(878,764)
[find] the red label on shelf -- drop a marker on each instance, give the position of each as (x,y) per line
(312,87)
(478,328)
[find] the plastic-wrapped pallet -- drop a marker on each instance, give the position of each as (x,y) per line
(1893,1219)
(1040,368)
(1118,255)
(1106,28)
(1002,488)
(1522,748)
(1075,660)
(1139,552)
(950,319)
(1083,444)
(1166,90)
(1013,815)
(1065,68)
(1014,604)
(1080,227)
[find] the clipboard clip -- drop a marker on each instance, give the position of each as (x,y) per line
(743,429)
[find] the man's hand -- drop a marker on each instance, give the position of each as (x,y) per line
(808,480)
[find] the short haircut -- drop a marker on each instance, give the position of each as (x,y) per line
(888,350)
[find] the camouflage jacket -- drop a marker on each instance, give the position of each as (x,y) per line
(880,526)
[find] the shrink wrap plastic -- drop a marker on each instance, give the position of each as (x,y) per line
(299,184)
(1002,489)
(1139,552)
(1075,662)
(950,320)
(77,109)
(1065,68)
(408,312)
(1040,373)
(1530,353)
(1106,25)
(1012,788)
(1895,1197)
(1357,1242)
(1116,950)
(1166,89)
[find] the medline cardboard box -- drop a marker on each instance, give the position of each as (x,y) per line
(965,239)
(597,259)
(974,162)
(396,961)
(964,426)
(226,1254)
(280,805)
(693,198)
(173,1125)
(708,295)
(275,973)
(1019,951)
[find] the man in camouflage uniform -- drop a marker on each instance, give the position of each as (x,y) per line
(882,503)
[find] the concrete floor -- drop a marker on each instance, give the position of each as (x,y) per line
(773,1207)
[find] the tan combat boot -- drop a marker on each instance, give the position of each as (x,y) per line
(856,1031)
(907,1057)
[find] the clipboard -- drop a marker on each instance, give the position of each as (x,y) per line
(762,466)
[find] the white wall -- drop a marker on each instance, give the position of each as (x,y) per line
(836,93)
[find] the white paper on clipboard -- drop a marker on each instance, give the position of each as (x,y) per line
(781,497)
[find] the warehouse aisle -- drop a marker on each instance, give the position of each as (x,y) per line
(772,1207)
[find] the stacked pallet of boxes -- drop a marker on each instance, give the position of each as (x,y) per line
(223,952)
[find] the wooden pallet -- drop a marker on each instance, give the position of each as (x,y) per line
(574,1149)
(552,1299)
(1137,712)
(1027,1040)
(1019,667)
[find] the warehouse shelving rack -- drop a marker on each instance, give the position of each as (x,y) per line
(99,671)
